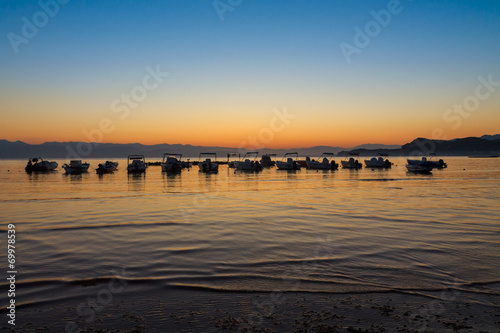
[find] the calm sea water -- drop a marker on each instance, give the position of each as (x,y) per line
(337,231)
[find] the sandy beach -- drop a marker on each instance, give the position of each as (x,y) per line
(191,310)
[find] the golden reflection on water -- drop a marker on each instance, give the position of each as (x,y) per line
(385,227)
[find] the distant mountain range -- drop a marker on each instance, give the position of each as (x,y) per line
(485,145)
(491,137)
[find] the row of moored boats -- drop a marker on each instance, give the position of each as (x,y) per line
(173,163)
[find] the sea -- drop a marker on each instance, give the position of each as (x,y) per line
(342,231)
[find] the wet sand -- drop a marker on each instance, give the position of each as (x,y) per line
(191,310)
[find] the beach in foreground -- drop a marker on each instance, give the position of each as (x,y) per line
(204,311)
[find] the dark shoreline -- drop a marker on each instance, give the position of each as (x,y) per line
(181,310)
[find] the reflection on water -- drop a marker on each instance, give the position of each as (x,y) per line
(136,181)
(385,229)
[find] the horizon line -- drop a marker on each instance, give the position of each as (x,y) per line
(188,144)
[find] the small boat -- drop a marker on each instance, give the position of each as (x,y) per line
(171,163)
(37,164)
(379,162)
(325,164)
(136,164)
(288,163)
(232,164)
(76,167)
(107,167)
(208,165)
(246,164)
(440,164)
(419,168)
(351,163)
(185,164)
(266,160)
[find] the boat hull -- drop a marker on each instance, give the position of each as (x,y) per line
(208,167)
(101,171)
(171,167)
(136,169)
(268,164)
(76,170)
(287,166)
(381,165)
(43,166)
(349,165)
(435,164)
(419,168)
(248,166)
(322,166)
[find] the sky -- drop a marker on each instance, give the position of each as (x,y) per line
(249,73)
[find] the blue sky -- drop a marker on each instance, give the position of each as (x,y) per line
(264,54)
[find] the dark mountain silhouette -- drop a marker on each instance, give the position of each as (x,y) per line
(486,145)
(455,147)
(491,137)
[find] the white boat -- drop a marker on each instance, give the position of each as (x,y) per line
(440,164)
(37,164)
(171,163)
(247,164)
(136,164)
(288,163)
(76,166)
(351,163)
(266,160)
(378,162)
(208,165)
(232,164)
(107,167)
(322,163)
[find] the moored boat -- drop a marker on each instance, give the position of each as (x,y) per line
(351,163)
(322,163)
(378,162)
(288,163)
(266,160)
(419,168)
(136,164)
(107,167)
(76,167)
(171,163)
(208,166)
(37,164)
(246,164)
(440,164)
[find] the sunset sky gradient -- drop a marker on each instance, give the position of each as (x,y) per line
(228,77)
